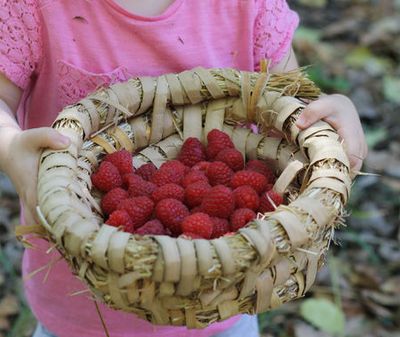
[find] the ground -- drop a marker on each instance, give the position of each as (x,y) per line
(352,47)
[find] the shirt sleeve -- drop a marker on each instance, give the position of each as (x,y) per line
(20,40)
(275,24)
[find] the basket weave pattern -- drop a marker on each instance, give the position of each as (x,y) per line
(274,259)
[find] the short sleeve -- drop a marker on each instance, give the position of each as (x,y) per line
(275,24)
(20,40)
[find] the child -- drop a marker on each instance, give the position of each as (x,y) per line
(54,52)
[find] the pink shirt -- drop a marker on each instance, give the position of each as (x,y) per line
(58,51)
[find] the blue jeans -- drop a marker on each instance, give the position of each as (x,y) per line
(247,326)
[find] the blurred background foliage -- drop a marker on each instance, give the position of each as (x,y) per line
(353,48)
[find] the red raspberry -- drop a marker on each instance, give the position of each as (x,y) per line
(269,201)
(121,218)
(106,177)
(219,173)
(193,177)
(217,141)
(201,166)
(261,167)
(251,178)
(138,187)
(198,223)
(231,157)
(170,172)
(218,202)
(152,227)
(146,171)
(221,227)
(241,217)
(111,200)
(173,191)
(246,197)
(192,152)
(171,213)
(195,193)
(122,160)
(139,209)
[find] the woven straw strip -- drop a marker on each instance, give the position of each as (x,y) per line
(239,138)
(172,259)
(204,256)
(287,176)
(293,227)
(192,122)
(225,256)
(122,139)
(189,267)
(320,213)
(160,104)
(177,97)
(192,86)
(264,286)
(210,83)
(142,133)
(109,148)
(252,144)
(116,251)
(215,117)
(100,245)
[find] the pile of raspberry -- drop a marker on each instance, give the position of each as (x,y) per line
(205,193)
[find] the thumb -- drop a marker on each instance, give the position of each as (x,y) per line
(313,113)
(46,138)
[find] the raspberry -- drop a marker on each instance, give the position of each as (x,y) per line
(246,197)
(173,191)
(195,193)
(221,226)
(231,157)
(201,166)
(171,213)
(218,173)
(218,202)
(193,177)
(106,177)
(138,187)
(111,200)
(269,200)
(152,227)
(241,217)
(261,167)
(139,209)
(192,152)
(170,172)
(121,218)
(198,223)
(251,178)
(146,171)
(217,141)
(122,160)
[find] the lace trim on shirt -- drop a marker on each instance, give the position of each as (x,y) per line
(20,40)
(75,83)
(273,32)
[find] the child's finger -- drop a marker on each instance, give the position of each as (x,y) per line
(314,112)
(46,137)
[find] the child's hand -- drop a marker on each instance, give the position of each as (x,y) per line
(22,163)
(340,112)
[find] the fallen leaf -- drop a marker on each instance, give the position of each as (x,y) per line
(323,314)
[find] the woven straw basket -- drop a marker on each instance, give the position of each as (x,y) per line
(177,281)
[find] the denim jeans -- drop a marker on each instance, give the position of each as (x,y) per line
(246,326)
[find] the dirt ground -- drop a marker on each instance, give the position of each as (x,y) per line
(353,48)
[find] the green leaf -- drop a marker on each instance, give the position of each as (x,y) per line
(391,89)
(375,136)
(308,34)
(323,314)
